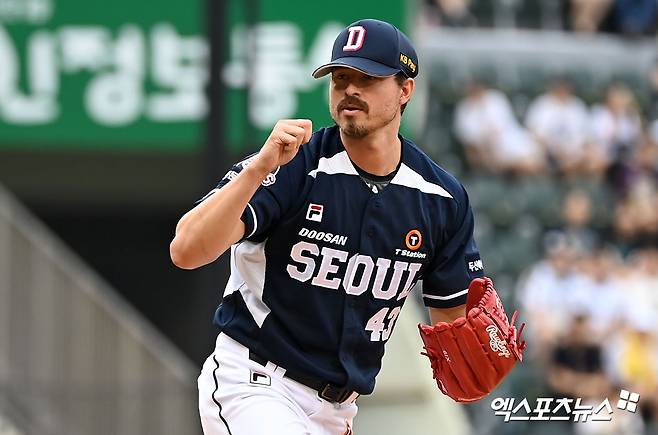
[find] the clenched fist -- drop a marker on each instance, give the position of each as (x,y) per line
(282,144)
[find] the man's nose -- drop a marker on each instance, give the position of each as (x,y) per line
(352,89)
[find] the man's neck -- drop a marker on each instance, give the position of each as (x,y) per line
(378,153)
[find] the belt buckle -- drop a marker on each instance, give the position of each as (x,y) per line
(332,393)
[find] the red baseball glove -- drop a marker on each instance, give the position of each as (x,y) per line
(471,355)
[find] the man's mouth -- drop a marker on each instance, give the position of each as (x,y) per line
(350,110)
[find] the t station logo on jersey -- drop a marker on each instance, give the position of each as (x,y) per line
(314,212)
(413,240)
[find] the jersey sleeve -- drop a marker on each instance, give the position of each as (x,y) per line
(456,263)
(274,198)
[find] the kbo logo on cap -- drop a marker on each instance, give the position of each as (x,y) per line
(355,37)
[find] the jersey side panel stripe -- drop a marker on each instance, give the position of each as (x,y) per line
(443,298)
(248,272)
(214,399)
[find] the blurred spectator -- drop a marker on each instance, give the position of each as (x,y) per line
(616,125)
(544,293)
(634,17)
(652,113)
(630,221)
(452,13)
(626,17)
(636,211)
(576,215)
(639,357)
(642,286)
(493,139)
(576,368)
(640,170)
(587,15)
(599,292)
(635,362)
(558,121)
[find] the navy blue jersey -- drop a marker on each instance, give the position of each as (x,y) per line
(326,264)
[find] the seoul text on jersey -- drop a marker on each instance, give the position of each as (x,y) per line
(332,260)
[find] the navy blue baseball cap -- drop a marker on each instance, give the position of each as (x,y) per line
(373,47)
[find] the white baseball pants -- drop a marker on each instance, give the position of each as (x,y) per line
(238,396)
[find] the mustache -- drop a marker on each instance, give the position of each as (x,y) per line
(352,101)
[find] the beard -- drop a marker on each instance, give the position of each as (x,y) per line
(358,130)
(350,126)
(352,129)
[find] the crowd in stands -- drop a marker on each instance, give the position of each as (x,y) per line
(593,324)
(611,143)
(625,17)
(592,300)
(559,134)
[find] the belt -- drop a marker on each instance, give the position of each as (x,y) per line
(326,390)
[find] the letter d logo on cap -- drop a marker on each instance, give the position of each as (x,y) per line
(355,37)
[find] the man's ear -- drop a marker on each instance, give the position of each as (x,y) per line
(408,87)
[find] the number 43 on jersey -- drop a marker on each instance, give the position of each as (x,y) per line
(381,324)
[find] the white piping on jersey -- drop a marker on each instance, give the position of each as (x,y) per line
(341,164)
(253,214)
(444,298)
(207,195)
(410,178)
(248,277)
(336,164)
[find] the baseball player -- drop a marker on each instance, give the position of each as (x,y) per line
(329,233)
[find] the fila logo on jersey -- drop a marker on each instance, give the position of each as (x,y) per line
(413,240)
(314,212)
(355,37)
(359,273)
(258,378)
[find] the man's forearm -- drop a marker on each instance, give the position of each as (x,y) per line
(209,229)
